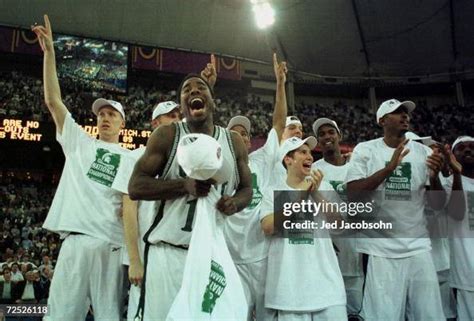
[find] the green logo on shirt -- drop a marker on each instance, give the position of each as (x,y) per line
(340,188)
(104,168)
(398,184)
(215,287)
(257,195)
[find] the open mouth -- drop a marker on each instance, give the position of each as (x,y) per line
(196,103)
(307,166)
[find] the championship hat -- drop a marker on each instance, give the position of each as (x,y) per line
(389,106)
(163,108)
(101,102)
(293,143)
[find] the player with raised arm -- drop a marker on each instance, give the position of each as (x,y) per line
(245,239)
(87,207)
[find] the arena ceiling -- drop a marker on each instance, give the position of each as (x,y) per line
(350,38)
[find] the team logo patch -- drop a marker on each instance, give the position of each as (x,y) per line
(256,195)
(398,184)
(104,168)
(215,287)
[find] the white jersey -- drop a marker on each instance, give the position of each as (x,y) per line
(302,275)
(350,262)
(89,196)
(402,193)
(462,241)
(243,233)
(174,219)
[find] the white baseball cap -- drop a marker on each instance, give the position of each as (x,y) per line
(426,140)
(389,106)
(240,120)
(163,108)
(201,158)
(462,139)
(324,121)
(290,120)
(101,102)
(293,143)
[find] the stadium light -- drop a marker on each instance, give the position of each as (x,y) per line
(264,13)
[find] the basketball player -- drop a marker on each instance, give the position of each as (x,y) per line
(164,113)
(303,278)
(245,239)
(87,207)
(168,238)
(461,213)
(401,278)
(334,166)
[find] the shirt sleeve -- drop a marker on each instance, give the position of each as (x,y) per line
(72,136)
(267,204)
(265,158)
(358,168)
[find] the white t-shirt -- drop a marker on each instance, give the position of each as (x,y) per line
(243,233)
(462,241)
(302,276)
(88,199)
(402,198)
(350,261)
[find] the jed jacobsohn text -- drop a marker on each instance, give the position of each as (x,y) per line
(308,206)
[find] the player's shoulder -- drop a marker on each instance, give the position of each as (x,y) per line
(369,145)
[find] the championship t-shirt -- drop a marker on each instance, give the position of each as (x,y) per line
(302,275)
(88,199)
(400,199)
(350,261)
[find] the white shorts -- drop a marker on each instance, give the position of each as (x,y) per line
(354,288)
(465,305)
(253,276)
(447,295)
(333,313)
(399,288)
(88,271)
(163,277)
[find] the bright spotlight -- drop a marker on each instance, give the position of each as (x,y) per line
(264,14)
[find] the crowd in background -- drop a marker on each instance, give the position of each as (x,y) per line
(21,96)
(28,252)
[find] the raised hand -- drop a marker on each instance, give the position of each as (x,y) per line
(280,69)
(398,155)
(453,163)
(435,163)
(44,34)
(210,72)
(312,182)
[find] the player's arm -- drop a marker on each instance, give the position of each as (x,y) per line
(456,207)
(372,182)
(241,199)
(281,109)
(130,227)
(52,91)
